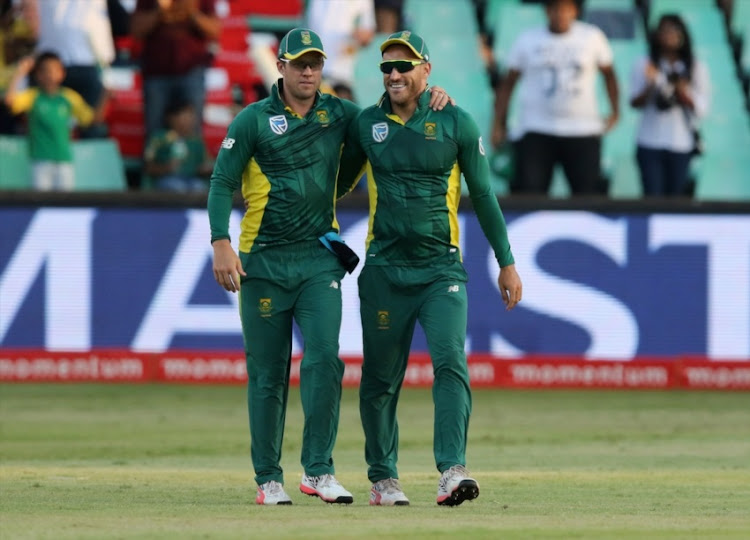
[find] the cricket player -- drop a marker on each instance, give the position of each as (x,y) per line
(283,153)
(413,270)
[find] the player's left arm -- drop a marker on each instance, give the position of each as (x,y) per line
(472,161)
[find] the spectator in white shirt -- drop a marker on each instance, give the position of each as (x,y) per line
(344,26)
(558,120)
(672,89)
(80,33)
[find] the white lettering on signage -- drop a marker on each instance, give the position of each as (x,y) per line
(561,374)
(170,311)
(85,367)
(728,266)
(57,242)
(612,328)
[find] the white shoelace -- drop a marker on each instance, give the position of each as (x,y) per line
(450,474)
(388,486)
(323,481)
(273,488)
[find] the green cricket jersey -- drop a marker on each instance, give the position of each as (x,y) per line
(49,121)
(286,166)
(414,182)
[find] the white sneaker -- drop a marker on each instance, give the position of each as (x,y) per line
(387,492)
(456,486)
(326,487)
(272,493)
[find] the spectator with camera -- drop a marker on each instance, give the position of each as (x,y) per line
(672,89)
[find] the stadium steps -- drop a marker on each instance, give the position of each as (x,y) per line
(97,162)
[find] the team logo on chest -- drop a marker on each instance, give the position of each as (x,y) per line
(278,124)
(322,117)
(430,130)
(379,131)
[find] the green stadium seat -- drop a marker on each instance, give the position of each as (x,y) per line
(513,19)
(368,80)
(441,17)
(97,163)
(15,170)
(740,23)
(723,177)
(703,18)
(98,166)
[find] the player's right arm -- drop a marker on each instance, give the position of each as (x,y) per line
(236,151)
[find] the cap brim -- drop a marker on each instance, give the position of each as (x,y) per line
(396,41)
(290,56)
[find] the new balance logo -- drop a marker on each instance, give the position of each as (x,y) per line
(453,288)
(334,285)
(227,143)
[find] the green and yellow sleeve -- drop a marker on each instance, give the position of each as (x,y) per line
(236,152)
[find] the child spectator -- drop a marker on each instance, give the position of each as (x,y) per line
(176,158)
(50,107)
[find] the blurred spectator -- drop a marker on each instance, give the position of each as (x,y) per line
(19,26)
(672,89)
(559,118)
(175,54)
(389,15)
(50,107)
(119,18)
(344,26)
(176,157)
(79,32)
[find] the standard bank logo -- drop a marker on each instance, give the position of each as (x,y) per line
(278,124)
(379,131)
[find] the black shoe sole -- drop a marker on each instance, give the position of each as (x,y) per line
(467,490)
(339,500)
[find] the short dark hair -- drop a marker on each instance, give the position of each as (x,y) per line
(41,58)
(177,106)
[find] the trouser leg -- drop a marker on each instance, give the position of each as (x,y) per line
(267,329)
(443,317)
(318,314)
(387,330)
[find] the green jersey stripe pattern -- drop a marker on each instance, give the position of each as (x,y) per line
(414,173)
(286,167)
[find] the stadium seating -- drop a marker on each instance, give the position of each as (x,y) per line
(271,16)
(511,19)
(15,170)
(97,162)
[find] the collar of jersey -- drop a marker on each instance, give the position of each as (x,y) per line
(385,105)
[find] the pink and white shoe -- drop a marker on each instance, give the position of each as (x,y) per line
(272,493)
(456,486)
(326,487)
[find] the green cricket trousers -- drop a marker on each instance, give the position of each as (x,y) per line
(392,300)
(300,282)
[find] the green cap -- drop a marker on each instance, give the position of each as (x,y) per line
(298,42)
(411,40)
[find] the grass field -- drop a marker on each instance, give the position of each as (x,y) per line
(147,461)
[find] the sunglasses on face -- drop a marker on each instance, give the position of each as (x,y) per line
(402,66)
(302,65)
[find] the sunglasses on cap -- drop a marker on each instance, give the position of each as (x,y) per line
(302,65)
(402,66)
